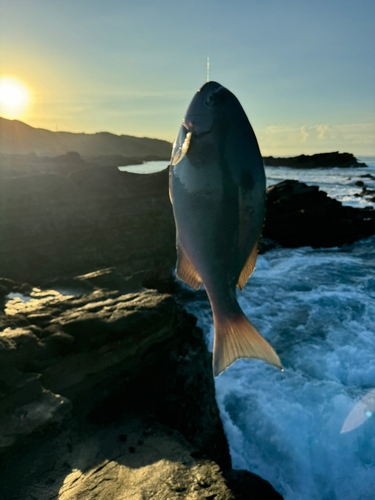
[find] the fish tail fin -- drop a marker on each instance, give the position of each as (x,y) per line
(235,338)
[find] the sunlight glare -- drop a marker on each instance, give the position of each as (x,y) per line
(14,98)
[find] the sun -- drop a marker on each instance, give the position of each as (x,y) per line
(14,98)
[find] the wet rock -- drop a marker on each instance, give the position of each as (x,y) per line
(368,176)
(301,215)
(369,194)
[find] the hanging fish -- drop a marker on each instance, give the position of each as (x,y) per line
(217,189)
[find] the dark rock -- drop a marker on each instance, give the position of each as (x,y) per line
(368,176)
(99,466)
(369,194)
(121,226)
(249,486)
(301,215)
(321,160)
(99,352)
(58,226)
(9,286)
(97,375)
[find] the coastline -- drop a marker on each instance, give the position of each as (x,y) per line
(47,345)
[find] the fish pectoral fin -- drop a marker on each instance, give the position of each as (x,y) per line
(248,267)
(181,146)
(185,271)
(235,338)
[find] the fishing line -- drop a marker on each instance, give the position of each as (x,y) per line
(208,47)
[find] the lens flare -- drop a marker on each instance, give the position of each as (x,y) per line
(14,98)
(363,410)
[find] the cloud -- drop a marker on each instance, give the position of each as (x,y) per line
(304,134)
(321,130)
(356,138)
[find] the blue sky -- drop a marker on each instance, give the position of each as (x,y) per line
(303,70)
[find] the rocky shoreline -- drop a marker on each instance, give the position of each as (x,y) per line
(105,395)
(106,383)
(320,160)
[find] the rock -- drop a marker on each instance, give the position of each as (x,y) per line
(321,160)
(247,485)
(94,463)
(27,419)
(120,226)
(300,215)
(9,286)
(369,194)
(105,395)
(61,226)
(368,176)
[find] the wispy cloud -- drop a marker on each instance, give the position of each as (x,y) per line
(321,130)
(357,138)
(304,134)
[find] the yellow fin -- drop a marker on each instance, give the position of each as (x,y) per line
(248,267)
(235,338)
(185,271)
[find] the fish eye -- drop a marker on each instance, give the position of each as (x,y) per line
(211,101)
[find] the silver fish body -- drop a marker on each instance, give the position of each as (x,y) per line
(218,189)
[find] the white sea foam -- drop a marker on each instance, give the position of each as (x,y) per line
(316,307)
(338,183)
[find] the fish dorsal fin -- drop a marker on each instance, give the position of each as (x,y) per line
(185,270)
(248,267)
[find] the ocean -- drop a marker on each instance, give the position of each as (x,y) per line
(308,430)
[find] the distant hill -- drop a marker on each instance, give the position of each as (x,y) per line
(19,138)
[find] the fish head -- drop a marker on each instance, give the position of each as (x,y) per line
(206,108)
(208,111)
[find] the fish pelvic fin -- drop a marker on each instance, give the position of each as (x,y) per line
(248,267)
(185,271)
(235,338)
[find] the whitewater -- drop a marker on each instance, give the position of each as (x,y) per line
(316,308)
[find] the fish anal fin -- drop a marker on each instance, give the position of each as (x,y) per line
(235,338)
(185,271)
(248,267)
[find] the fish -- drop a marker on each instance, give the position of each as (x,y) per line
(217,188)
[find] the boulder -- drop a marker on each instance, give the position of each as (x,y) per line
(300,215)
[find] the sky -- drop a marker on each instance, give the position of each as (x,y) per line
(303,70)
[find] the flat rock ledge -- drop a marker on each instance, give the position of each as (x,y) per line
(110,396)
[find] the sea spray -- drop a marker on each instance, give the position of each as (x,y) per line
(317,308)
